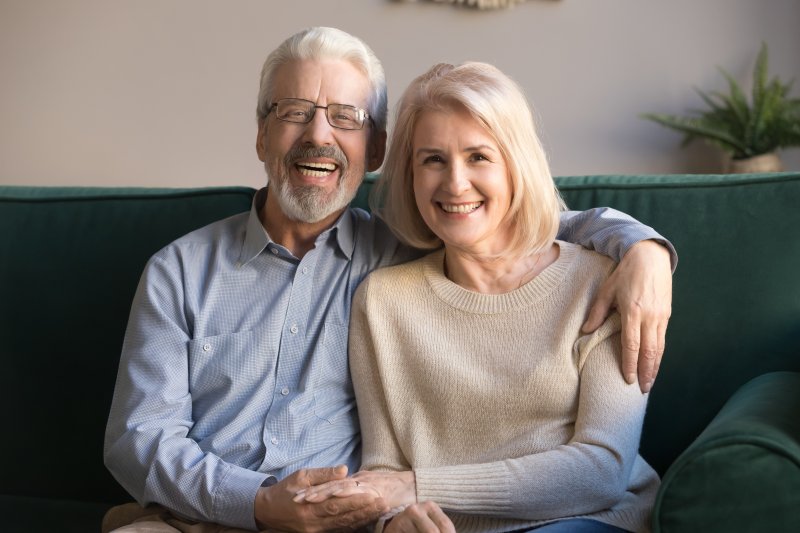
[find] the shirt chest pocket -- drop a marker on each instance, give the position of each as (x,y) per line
(228,365)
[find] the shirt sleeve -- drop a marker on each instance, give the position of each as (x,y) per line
(588,474)
(146,445)
(610,232)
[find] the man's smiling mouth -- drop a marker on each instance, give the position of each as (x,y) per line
(316,170)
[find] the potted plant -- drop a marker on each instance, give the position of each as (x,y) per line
(749,131)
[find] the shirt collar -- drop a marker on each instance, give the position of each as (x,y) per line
(256,238)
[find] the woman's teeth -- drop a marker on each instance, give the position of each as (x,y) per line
(461,208)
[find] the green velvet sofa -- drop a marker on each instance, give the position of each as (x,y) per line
(723,424)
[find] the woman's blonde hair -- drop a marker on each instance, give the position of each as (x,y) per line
(498,104)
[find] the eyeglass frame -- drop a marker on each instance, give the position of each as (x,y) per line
(367,117)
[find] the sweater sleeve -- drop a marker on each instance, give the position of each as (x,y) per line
(589,473)
(381,450)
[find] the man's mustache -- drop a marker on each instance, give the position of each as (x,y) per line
(309,152)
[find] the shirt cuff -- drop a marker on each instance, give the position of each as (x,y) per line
(235,499)
(649,234)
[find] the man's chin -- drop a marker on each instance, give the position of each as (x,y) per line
(308,209)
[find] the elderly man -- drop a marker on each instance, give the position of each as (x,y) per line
(233,391)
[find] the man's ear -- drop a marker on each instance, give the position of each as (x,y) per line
(261,140)
(376,150)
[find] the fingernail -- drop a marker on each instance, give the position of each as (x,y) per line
(298,498)
(647,386)
(630,378)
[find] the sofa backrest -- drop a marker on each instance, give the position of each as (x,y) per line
(71,259)
(736,291)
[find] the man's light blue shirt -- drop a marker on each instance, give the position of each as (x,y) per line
(234,366)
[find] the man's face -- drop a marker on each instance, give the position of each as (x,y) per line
(315,169)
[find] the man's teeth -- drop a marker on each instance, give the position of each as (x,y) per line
(316,170)
(461,208)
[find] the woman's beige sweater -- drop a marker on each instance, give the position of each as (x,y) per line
(507,413)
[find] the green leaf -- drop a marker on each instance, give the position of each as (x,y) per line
(698,127)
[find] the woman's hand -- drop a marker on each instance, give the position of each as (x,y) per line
(395,488)
(426,517)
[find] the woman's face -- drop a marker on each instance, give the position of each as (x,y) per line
(461,182)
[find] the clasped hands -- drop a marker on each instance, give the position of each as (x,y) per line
(325,499)
(397,489)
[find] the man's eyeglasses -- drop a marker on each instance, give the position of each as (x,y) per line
(345,117)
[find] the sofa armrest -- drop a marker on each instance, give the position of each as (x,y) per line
(743,472)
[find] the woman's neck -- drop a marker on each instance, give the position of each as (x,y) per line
(495,275)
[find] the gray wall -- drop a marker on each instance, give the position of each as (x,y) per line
(149,92)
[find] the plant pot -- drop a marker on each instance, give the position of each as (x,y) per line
(759,163)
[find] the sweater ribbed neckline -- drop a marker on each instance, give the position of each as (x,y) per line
(474,302)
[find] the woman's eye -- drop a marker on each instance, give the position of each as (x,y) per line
(479,157)
(433,159)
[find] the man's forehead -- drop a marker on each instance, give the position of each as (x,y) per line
(328,80)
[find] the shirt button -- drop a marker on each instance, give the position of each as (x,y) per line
(285,391)
(206,347)
(274,440)
(294,329)
(274,251)
(305,270)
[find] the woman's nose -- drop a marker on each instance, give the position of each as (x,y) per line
(456,181)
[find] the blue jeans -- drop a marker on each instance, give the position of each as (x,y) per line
(577,525)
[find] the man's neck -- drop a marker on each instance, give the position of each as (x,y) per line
(297,237)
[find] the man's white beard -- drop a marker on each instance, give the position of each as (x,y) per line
(310,203)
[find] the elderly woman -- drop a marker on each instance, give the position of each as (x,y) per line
(478,394)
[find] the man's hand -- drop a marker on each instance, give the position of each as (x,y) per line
(426,517)
(275,509)
(641,290)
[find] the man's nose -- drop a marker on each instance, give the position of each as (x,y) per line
(318,132)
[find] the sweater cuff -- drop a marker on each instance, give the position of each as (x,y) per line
(471,489)
(235,499)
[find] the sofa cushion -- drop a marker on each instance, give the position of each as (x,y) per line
(746,463)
